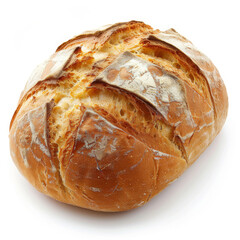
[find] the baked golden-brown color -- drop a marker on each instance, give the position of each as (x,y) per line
(115,115)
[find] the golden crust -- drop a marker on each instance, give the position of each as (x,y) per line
(100,36)
(115,115)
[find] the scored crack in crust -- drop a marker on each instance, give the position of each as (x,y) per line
(115,115)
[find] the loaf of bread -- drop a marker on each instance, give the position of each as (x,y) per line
(115,115)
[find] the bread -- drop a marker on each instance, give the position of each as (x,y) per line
(115,115)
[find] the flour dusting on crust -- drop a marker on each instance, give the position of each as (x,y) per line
(50,68)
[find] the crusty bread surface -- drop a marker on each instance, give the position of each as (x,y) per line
(115,115)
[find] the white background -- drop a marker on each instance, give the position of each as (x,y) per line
(204,203)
